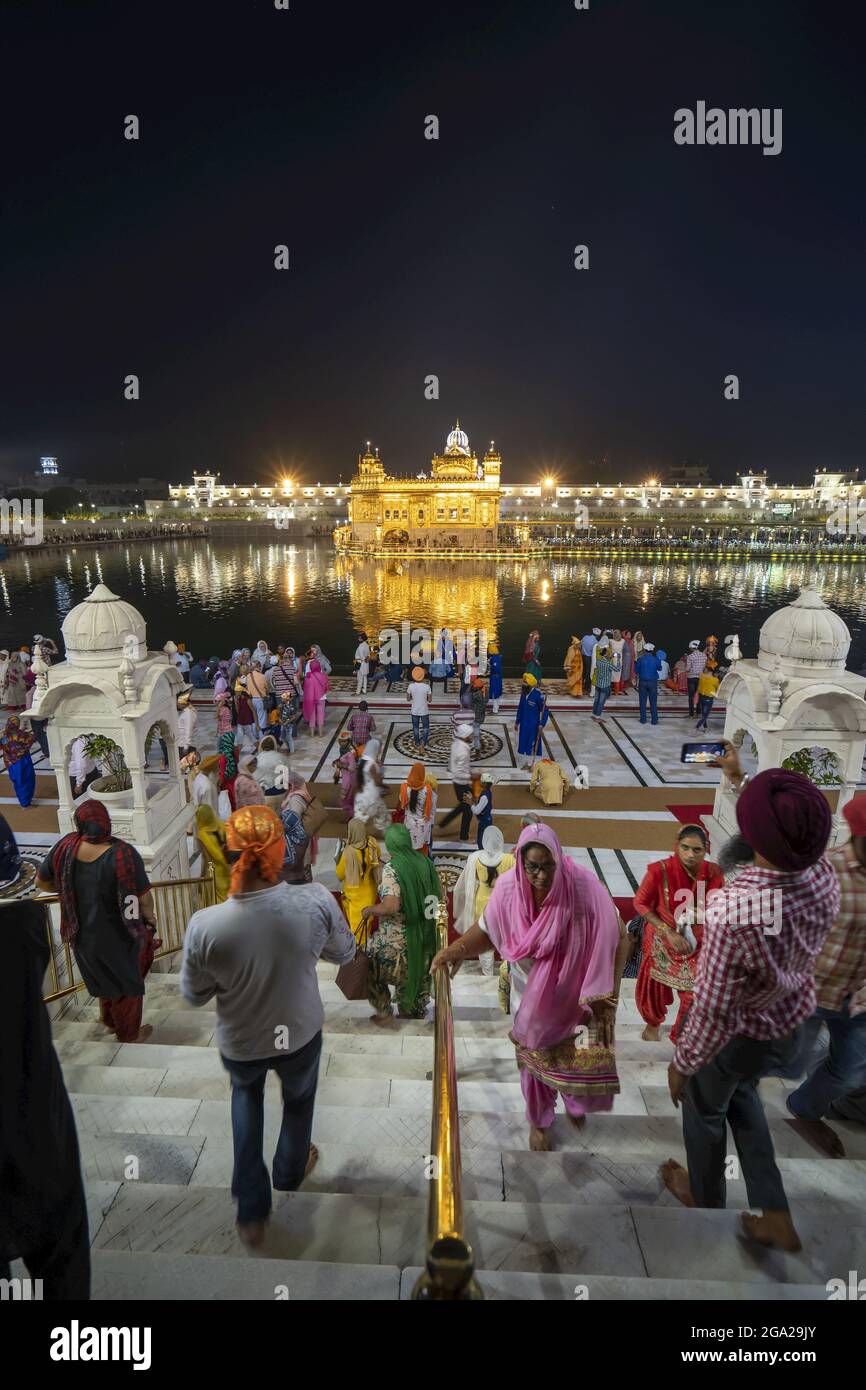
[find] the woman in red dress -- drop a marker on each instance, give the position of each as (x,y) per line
(672,899)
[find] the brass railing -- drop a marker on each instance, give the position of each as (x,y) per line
(450,1264)
(174,899)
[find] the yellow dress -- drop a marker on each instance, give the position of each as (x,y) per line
(362,895)
(483,888)
(573,666)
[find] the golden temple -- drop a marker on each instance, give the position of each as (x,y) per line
(455,506)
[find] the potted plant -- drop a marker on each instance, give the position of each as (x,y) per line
(108,754)
(818,764)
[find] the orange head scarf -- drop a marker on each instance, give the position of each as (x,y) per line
(415,782)
(257,832)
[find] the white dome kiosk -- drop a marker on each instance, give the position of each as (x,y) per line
(797,701)
(111,685)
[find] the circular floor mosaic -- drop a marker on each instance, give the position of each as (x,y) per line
(439,744)
(449,867)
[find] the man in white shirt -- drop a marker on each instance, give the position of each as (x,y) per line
(420,697)
(203,789)
(256,953)
(362,659)
(460,767)
(186,722)
(82,768)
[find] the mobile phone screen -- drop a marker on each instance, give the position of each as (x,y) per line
(701,752)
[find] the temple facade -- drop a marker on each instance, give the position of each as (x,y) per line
(455,506)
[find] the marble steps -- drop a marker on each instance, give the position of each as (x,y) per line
(529,1237)
(198,1277)
(489,1173)
(208,1277)
(617,1135)
(177,1071)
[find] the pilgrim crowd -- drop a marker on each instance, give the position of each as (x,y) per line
(755,994)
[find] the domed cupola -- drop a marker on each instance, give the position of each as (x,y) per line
(95,631)
(805,638)
(457,441)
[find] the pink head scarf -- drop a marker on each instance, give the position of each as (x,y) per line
(572,940)
(315,685)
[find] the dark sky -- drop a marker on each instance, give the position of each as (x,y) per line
(411,257)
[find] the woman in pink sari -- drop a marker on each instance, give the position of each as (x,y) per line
(558,927)
(315,685)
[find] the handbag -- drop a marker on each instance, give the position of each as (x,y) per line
(352,977)
(632,965)
(314,816)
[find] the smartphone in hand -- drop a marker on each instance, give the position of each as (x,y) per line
(701,752)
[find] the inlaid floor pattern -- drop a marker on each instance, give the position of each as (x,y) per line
(588,1220)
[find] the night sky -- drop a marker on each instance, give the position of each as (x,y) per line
(410,256)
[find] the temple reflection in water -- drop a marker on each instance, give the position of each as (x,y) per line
(220,594)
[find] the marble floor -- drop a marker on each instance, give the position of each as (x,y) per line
(619,752)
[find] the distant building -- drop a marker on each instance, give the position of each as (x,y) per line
(465,496)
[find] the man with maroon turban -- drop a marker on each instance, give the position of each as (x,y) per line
(840,980)
(754,989)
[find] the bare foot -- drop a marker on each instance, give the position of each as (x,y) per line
(143,1033)
(817,1133)
(676,1180)
(651,1034)
(539,1141)
(384,1020)
(252,1233)
(312,1160)
(774,1228)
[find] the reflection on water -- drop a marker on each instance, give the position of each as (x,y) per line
(218,595)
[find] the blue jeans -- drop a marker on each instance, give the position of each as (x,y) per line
(299,1075)
(705,705)
(261,716)
(842,1070)
(651,689)
(601,694)
(421,728)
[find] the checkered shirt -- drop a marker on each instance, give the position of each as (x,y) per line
(751,980)
(840,970)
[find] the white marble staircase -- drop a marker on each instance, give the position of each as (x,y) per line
(588,1220)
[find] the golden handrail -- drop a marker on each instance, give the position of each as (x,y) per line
(450,1265)
(173,911)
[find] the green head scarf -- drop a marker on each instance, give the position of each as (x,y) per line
(418,879)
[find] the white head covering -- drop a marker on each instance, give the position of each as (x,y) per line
(649,646)
(463,731)
(693,645)
(487,777)
(371,750)
(596,632)
(492,846)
